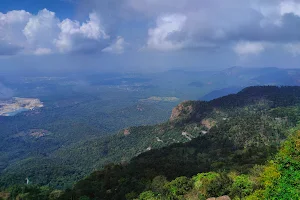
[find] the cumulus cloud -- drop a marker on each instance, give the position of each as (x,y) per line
(12,39)
(166,27)
(293,48)
(44,33)
(162,25)
(117,47)
(42,51)
(289,6)
(245,48)
(41,30)
(219,23)
(76,37)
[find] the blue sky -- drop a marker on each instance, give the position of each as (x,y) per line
(149,35)
(62,8)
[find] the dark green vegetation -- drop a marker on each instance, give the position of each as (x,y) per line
(247,131)
(73,116)
(82,111)
(59,158)
(277,179)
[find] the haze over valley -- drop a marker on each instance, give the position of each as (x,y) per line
(65,114)
(149,99)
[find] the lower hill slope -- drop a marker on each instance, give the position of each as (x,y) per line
(277,178)
(228,137)
(246,130)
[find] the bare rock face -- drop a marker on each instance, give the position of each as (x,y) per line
(208,123)
(223,198)
(4,195)
(182,110)
(126,132)
(220,198)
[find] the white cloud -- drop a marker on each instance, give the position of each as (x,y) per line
(293,48)
(11,26)
(73,35)
(245,48)
(41,30)
(166,27)
(42,51)
(275,11)
(171,25)
(14,17)
(44,33)
(218,23)
(117,47)
(289,6)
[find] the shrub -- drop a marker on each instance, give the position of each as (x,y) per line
(242,186)
(180,186)
(219,186)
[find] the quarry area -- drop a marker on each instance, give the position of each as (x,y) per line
(160,99)
(17,105)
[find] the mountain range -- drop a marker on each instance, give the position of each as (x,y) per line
(81,130)
(226,139)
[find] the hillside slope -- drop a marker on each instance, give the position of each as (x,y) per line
(232,133)
(224,140)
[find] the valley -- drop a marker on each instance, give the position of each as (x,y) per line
(76,125)
(149,100)
(236,145)
(230,158)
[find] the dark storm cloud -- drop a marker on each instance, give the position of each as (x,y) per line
(208,23)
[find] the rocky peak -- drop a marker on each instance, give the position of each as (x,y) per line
(182,110)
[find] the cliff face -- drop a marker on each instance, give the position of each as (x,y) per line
(184,109)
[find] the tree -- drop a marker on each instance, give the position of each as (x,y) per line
(203,180)
(242,186)
(219,186)
(158,184)
(148,195)
(180,186)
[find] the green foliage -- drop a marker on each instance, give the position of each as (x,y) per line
(287,185)
(148,195)
(202,181)
(219,186)
(281,177)
(180,186)
(84,198)
(78,135)
(55,194)
(158,184)
(247,129)
(30,192)
(242,186)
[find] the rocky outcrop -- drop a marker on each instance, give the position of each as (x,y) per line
(4,195)
(208,123)
(126,132)
(220,198)
(182,110)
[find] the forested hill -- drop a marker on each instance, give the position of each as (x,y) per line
(235,134)
(272,96)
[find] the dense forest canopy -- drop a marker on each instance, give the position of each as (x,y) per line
(231,146)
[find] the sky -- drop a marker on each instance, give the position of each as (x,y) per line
(148,35)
